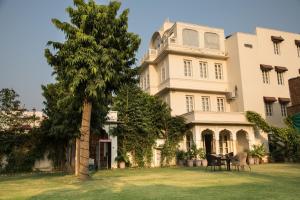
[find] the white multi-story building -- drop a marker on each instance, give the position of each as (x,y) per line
(212,80)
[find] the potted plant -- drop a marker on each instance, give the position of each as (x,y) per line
(202,156)
(258,152)
(190,161)
(122,159)
(251,157)
(181,157)
(195,153)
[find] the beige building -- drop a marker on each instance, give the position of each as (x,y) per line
(212,80)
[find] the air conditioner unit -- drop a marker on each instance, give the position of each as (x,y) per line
(231,95)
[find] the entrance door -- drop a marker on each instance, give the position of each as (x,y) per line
(208,141)
(104,155)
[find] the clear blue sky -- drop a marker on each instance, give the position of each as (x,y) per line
(25,28)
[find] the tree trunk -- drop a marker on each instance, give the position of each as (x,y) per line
(77,156)
(84,140)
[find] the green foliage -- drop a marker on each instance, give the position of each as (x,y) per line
(17,138)
(145,119)
(201,153)
(122,158)
(258,151)
(98,53)
(283,142)
(180,155)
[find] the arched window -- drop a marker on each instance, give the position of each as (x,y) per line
(211,40)
(190,37)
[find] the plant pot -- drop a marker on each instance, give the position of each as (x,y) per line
(181,163)
(122,165)
(204,162)
(198,163)
(251,161)
(256,160)
(190,163)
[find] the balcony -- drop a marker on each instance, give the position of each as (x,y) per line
(173,46)
(199,117)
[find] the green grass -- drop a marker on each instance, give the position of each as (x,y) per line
(270,181)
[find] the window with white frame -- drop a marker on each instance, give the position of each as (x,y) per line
(203,70)
(280,78)
(269,108)
(218,71)
(187,68)
(283,109)
(221,104)
(266,76)
(205,104)
(276,46)
(189,100)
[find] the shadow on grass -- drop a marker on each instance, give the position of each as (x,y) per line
(160,191)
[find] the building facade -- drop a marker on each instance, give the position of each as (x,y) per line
(212,80)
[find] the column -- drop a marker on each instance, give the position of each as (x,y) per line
(216,137)
(234,143)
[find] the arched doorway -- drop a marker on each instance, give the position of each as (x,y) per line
(208,141)
(225,142)
(242,141)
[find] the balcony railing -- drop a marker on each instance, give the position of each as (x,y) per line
(173,44)
(216,117)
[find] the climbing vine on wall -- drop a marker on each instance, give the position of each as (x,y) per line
(284,142)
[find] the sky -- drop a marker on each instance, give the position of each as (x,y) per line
(25,28)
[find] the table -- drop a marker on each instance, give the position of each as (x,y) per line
(227,160)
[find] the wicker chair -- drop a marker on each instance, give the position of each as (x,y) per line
(213,161)
(240,161)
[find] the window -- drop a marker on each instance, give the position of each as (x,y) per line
(189,142)
(148,80)
(276,46)
(266,76)
(142,82)
(223,143)
(269,108)
(280,78)
(203,70)
(162,74)
(298,50)
(205,104)
(220,104)
(283,109)
(189,103)
(190,37)
(211,40)
(145,84)
(218,71)
(187,68)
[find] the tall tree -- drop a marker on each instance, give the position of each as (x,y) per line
(94,61)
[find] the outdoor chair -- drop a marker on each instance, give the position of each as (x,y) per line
(240,161)
(213,161)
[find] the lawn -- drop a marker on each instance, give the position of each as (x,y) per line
(270,181)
